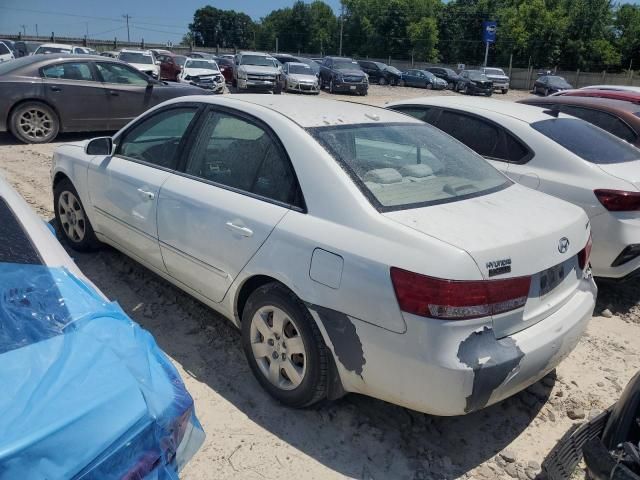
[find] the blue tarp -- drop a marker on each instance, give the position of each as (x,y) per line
(85,392)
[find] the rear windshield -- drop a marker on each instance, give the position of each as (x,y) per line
(401,165)
(4,49)
(204,64)
(587,141)
(135,57)
(8,67)
(53,50)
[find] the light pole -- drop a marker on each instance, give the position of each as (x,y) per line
(127,17)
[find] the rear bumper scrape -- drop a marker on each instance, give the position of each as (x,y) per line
(491,361)
(346,344)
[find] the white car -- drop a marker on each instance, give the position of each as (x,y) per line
(559,155)
(358,249)
(53,48)
(299,77)
(5,53)
(143,60)
(203,73)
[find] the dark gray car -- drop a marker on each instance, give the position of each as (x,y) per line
(46,94)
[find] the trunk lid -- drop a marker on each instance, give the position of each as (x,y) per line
(512,233)
(627,171)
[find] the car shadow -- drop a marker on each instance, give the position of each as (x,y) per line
(8,139)
(618,297)
(356,436)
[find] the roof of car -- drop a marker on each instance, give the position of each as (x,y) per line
(134,50)
(609,103)
(519,111)
(57,45)
(309,112)
(262,54)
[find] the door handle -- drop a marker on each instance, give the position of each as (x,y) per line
(146,194)
(244,231)
(113,93)
(55,89)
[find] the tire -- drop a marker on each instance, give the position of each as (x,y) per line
(34,122)
(402,83)
(234,83)
(466,90)
(428,86)
(488,94)
(382,81)
(331,90)
(451,86)
(504,91)
(309,385)
(73,224)
(546,92)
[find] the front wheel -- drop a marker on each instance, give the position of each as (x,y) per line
(34,122)
(284,347)
(382,81)
(450,85)
(488,94)
(331,89)
(72,219)
(402,83)
(429,86)
(504,91)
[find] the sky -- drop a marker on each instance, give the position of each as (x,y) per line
(155,21)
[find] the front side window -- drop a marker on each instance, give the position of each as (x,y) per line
(68,71)
(156,139)
(236,153)
(400,166)
(122,74)
(587,141)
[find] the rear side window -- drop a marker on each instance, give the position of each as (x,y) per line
(234,152)
(68,71)
(587,141)
(421,113)
(604,120)
(121,74)
(474,133)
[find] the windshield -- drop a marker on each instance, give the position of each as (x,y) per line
(179,59)
(345,65)
(408,165)
(478,76)
(136,57)
(300,69)
(394,70)
(204,64)
(587,141)
(53,50)
(258,60)
(314,65)
(558,82)
(450,72)
(494,71)
(429,75)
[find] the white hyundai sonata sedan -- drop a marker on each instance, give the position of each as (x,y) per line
(358,249)
(557,154)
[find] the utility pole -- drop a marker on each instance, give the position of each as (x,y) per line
(276,44)
(86,24)
(127,17)
(341,29)
(24,30)
(37,30)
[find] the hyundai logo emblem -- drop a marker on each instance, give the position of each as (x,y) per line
(563,245)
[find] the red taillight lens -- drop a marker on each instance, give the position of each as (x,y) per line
(618,200)
(457,299)
(585,254)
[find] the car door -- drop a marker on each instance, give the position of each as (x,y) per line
(129,91)
(237,184)
(77,95)
(124,187)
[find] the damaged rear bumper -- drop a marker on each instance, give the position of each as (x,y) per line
(453,368)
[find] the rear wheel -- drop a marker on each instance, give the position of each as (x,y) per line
(467,91)
(429,86)
(382,81)
(284,347)
(450,85)
(34,122)
(331,89)
(72,219)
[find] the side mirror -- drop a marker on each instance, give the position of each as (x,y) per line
(99,146)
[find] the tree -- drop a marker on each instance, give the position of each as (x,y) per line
(627,34)
(213,27)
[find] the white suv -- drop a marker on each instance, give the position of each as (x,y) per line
(5,53)
(143,60)
(255,70)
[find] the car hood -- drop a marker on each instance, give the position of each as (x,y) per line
(303,78)
(515,223)
(259,69)
(627,171)
(145,67)
(198,72)
(351,71)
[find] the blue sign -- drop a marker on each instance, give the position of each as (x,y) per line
(489,30)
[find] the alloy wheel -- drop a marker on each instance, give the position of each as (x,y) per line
(72,218)
(35,124)
(278,348)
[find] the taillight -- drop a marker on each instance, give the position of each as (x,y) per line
(585,254)
(618,200)
(457,299)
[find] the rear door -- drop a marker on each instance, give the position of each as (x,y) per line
(75,92)
(124,187)
(236,185)
(128,90)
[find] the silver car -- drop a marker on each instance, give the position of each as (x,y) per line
(299,77)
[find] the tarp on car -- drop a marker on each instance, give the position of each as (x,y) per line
(85,392)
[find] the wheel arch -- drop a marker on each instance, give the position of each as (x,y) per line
(38,100)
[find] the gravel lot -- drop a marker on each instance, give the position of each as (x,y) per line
(250,436)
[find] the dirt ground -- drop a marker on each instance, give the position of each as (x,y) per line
(250,436)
